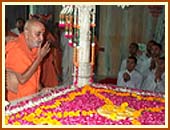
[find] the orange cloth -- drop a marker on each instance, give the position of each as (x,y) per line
(8,37)
(19,58)
(9,33)
(48,75)
(57,54)
(57,59)
(50,70)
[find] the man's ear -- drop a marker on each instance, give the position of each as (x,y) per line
(26,32)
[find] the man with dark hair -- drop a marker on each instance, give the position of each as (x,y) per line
(19,26)
(130,77)
(147,60)
(155,79)
(148,47)
(156,52)
(133,48)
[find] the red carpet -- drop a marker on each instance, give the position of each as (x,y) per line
(109,81)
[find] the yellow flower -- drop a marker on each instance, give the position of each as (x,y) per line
(120,109)
(36,121)
(90,112)
(134,95)
(17,115)
(161,100)
(71,114)
(50,114)
(57,103)
(38,111)
(136,122)
(41,120)
(124,105)
(54,122)
(83,90)
(162,108)
(17,123)
(108,101)
(72,96)
(155,109)
(150,98)
(66,114)
(139,97)
(113,116)
(136,114)
(46,107)
(84,113)
(108,107)
(59,114)
(48,119)
(53,106)
(6,120)
(31,116)
(127,94)
(77,113)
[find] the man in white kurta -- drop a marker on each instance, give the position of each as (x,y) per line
(144,61)
(160,85)
(155,79)
(133,48)
(155,86)
(130,77)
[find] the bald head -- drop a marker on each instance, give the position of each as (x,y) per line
(32,23)
(34,33)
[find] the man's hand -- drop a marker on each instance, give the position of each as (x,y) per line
(158,74)
(43,51)
(153,64)
(126,77)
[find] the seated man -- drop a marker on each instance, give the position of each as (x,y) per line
(130,77)
(160,75)
(155,80)
(23,58)
(155,53)
(133,49)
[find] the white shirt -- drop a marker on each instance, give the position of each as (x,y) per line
(123,64)
(150,84)
(143,63)
(15,30)
(160,86)
(135,81)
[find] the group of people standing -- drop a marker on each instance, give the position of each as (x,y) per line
(145,70)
